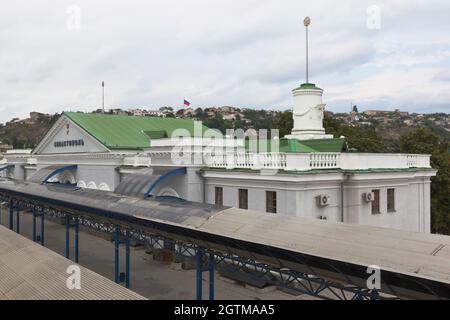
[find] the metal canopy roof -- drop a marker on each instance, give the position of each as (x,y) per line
(165,176)
(144,181)
(30,271)
(410,262)
(45,174)
(6,166)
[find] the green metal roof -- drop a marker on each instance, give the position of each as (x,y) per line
(326,145)
(128,132)
(298,146)
(307,86)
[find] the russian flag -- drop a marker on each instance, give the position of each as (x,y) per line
(186,103)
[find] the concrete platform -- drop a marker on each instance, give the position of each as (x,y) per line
(30,271)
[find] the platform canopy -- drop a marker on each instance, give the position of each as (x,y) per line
(6,166)
(145,181)
(414,265)
(45,174)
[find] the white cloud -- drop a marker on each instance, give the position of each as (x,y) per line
(412,90)
(246,52)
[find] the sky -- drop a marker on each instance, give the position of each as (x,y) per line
(248,53)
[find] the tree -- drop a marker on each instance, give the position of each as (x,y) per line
(285,123)
(180,113)
(219,123)
(362,139)
(423,141)
(199,115)
(332,125)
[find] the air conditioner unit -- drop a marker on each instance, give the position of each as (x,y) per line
(369,197)
(323,200)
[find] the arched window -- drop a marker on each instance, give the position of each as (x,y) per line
(92,185)
(168,192)
(104,187)
(81,184)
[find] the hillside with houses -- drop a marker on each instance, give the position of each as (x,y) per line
(388,125)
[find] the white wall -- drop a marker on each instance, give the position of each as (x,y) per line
(297,199)
(106,175)
(412,197)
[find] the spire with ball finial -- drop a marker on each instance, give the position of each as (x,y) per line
(308,110)
(307,23)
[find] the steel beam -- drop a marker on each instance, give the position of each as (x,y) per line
(118,276)
(116,255)
(127,259)
(18,218)
(201,267)
(199,274)
(11,214)
(75,226)
(33,213)
(42,225)
(212,263)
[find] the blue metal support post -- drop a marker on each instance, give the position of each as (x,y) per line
(200,268)
(199,272)
(77,238)
(127,259)
(11,214)
(18,218)
(76,227)
(211,276)
(33,212)
(120,277)
(116,255)
(67,237)
(42,226)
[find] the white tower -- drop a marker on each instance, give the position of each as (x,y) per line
(308,107)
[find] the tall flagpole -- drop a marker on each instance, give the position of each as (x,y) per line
(307,22)
(103,96)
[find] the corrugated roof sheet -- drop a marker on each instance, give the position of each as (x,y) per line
(406,252)
(128,132)
(30,271)
(410,254)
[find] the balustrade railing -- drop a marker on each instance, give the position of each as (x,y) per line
(302,161)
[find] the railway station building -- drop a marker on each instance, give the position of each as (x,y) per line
(307,174)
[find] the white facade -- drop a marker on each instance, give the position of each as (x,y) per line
(296,195)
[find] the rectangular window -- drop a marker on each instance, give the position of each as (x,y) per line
(376,202)
(271,201)
(243,199)
(219,197)
(391,200)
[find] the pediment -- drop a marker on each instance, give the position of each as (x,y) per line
(67,137)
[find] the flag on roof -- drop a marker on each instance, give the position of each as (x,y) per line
(186,103)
